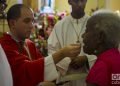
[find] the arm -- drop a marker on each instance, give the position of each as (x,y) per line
(71,51)
(51,60)
(83,60)
(79,62)
(25,71)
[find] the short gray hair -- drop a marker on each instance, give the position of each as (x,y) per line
(108,23)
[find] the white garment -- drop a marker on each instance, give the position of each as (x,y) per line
(64,33)
(5,71)
(50,72)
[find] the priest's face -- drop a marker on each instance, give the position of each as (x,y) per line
(24,24)
(78,6)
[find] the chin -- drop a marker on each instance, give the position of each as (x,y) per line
(87,50)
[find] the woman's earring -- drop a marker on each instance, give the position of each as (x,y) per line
(95,51)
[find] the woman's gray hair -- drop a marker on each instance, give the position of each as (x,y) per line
(109,23)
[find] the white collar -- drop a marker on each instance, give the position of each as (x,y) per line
(13,37)
(77,20)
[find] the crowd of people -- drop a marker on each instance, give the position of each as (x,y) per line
(78,44)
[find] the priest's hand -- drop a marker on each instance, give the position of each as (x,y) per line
(78,62)
(71,51)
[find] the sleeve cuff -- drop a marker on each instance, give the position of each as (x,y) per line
(50,72)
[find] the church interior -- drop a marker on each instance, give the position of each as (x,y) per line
(47,14)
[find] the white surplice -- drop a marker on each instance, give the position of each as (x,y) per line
(64,33)
(5,70)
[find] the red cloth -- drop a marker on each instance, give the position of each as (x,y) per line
(25,72)
(108,63)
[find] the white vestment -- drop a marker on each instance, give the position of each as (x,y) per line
(5,70)
(64,33)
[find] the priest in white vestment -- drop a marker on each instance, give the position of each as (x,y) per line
(69,31)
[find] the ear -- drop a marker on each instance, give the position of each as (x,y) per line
(12,23)
(101,37)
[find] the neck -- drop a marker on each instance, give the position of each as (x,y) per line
(101,50)
(15,37)
(77,16)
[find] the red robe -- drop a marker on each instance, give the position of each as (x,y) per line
(25,72)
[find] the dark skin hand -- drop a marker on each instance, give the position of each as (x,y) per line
(78,62)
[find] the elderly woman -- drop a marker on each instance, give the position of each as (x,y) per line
(102,38)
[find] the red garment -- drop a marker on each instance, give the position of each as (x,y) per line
(108,63)
(25,72)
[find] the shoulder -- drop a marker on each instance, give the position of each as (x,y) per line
(65,20)
(98,65)
(5,37)
(7,42)
(97,72)
(86,17)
